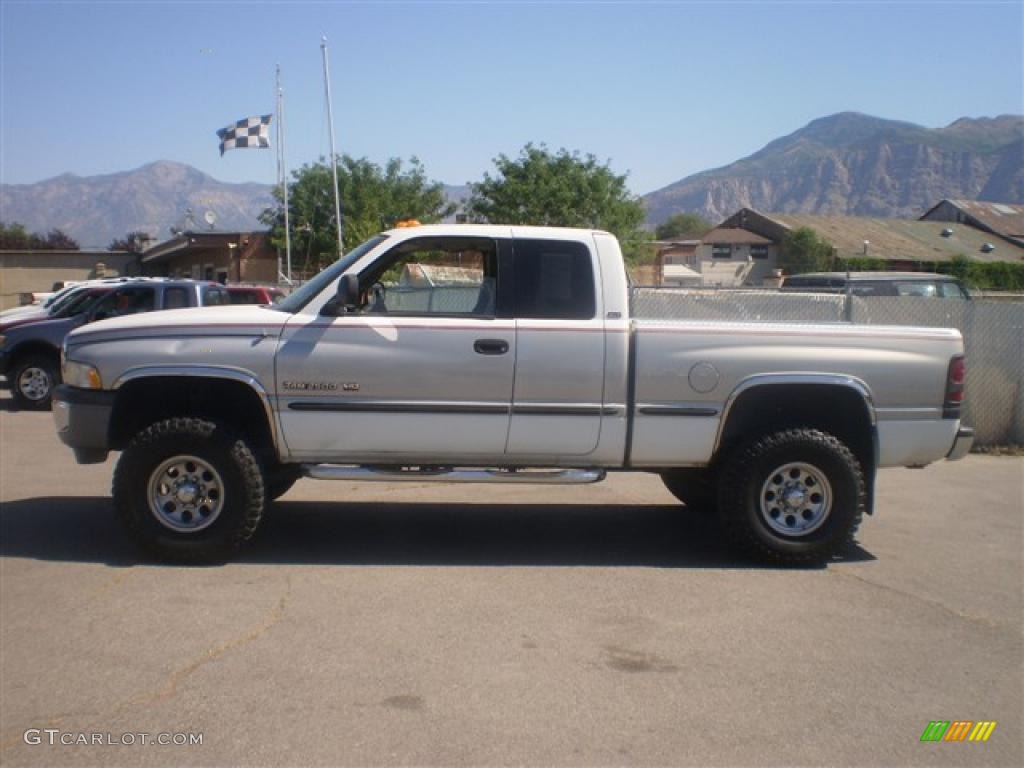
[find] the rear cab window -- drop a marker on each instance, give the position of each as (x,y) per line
(553,279)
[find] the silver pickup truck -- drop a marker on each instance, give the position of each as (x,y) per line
(490,354)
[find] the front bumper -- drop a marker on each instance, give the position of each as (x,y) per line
(961,445)
(82,417)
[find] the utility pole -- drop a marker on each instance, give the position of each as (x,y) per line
(334,155)
(282,177)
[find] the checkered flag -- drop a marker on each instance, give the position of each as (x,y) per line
(248,133)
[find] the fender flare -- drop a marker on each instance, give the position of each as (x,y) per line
(240,375)
(827,379)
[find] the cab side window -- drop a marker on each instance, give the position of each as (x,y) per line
(125,301)
(449,276)
(214,296)
(866,288)
(950,290)
(553,280)
(175,298)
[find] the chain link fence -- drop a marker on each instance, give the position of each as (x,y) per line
(993,331)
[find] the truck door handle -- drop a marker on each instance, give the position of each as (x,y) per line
(490,346)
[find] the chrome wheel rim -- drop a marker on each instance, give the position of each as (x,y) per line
(796,499)
(186,494)
(34,383)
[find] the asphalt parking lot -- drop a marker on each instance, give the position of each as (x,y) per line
(499,625)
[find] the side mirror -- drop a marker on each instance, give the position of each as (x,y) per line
(345,299)
(348,291)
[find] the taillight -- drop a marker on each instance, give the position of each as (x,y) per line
(955,378)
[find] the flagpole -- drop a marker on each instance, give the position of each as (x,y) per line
(334,155)
(282,172)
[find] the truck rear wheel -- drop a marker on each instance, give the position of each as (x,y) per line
(792,497)
(189,491)
(694,487)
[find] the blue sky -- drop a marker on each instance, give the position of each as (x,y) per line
(661,90)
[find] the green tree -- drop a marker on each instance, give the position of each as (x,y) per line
(373,198)
(56,240)
(683,226)
(803,250)
(133,242)
(14,236)
(960,268)
(560,189)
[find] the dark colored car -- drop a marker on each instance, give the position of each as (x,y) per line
(919,284)
(30,349)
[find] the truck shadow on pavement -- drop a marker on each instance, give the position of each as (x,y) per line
(76,529)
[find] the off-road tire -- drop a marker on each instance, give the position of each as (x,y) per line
(694,487)
(752,466)
(43,365)
(230,456)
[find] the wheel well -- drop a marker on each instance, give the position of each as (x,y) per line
(30,348)
(839,410)
(145,401)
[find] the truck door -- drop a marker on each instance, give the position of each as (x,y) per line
(560,350)
(422,374)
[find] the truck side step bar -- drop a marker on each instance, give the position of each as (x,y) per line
(451,475)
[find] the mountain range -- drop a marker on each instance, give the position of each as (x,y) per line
(858,165)
(848,163)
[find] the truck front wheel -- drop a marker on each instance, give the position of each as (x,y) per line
(792,497)
(189,491)
(33,380)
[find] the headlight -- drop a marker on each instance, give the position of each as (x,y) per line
(81,375)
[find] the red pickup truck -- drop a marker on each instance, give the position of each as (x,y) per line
(254,294)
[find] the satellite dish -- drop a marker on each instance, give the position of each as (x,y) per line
(210,218)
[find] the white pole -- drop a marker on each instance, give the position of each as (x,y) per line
(334,156)
(282,172)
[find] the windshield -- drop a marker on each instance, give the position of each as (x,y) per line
(79,303)
(62,293)
(307,292)
(60,300)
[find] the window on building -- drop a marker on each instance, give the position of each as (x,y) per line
(553,279)
(721,251)
(759,251)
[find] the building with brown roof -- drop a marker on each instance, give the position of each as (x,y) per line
(237,257)
(904,244)
(724,245)
(1004,220)
(675,263)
